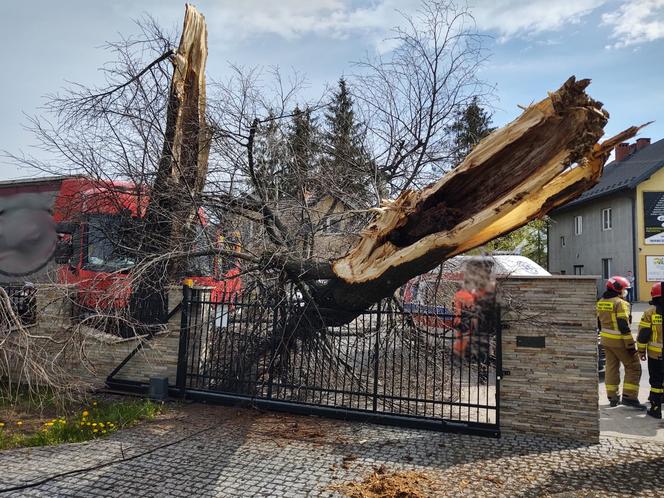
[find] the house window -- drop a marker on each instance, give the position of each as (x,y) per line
(606,268)
(578,225)
(607,219)
(562,241)
(578,269)
(563,272)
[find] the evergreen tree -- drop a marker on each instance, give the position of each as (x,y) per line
(303,151)
(472,124)
(346,166)
(270,155)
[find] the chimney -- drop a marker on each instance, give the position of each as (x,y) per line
(642,143)
(622,151)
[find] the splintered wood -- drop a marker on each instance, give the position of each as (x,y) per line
(548,156)
(384,484)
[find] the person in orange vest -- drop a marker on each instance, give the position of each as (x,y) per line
(613,314)
(649,344)
(474,310)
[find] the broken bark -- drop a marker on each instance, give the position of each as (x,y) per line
(172,213)
(545,158)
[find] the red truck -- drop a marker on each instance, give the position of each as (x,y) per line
(95,214)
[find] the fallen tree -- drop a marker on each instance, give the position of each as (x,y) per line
(150,125)
(545,158)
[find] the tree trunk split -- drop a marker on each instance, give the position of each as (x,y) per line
(545,158)
(171,213)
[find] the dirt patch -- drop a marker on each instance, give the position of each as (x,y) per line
(307,429)
(384,484)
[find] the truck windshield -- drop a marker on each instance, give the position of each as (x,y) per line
(107,244)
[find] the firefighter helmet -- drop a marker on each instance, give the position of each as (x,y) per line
(656,290)
(617,284)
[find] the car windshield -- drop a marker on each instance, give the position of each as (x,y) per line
(106,248)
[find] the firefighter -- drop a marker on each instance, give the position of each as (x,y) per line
(649,344)
(473,311)
(613,321)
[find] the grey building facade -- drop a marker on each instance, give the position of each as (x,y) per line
(581,242)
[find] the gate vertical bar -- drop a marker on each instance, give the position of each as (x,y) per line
(183,346)
(499,362)
(376,356)
(275,321)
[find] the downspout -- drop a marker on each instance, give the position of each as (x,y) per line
(548,247)
(635,248)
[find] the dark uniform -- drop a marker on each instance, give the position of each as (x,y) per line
(616,337)
(650,344)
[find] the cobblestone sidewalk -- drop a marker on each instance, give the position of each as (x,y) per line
(215,451)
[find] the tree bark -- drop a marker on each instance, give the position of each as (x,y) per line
(545,158)
(171,214)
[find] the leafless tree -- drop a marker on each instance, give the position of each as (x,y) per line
(146,125)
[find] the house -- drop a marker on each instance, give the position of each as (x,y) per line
(618,225)
(323,227)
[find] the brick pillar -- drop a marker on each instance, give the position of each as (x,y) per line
(550,386)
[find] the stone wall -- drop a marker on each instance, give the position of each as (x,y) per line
(551,390)
(549,353)
(96,354)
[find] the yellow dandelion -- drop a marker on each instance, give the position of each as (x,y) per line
(94,403)
(19,422)
(2,424)
(50,424)
(95,430)
(88,423)
(94,424)
(103,432)
(85,413)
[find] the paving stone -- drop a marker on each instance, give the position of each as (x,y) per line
(242,458)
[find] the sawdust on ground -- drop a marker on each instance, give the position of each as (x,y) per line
(384,484)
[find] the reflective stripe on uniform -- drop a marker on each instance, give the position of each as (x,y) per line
(644,324)
(609,335)
(656,390)
(641,346)
(613,335)
(611,387)
(635,387)
(656,349)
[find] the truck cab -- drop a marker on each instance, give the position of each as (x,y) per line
(96,250)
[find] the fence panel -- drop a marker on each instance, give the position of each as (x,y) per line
(396,362)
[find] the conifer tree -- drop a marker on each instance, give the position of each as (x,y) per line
(346,165)
(472,124)
(303,151)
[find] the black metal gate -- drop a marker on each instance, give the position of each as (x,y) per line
(395,363)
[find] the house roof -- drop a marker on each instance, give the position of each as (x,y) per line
(625,174)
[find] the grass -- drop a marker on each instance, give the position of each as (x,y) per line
(90,421)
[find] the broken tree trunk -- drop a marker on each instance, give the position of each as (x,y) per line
(171,213)
(545,158)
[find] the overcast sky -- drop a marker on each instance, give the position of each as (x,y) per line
(534,45)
